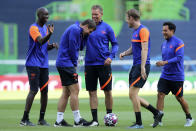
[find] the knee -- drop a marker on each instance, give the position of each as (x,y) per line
(161,95)
(93,94)
(108,93)
(44,92)
(132,95)
(180,99)
(33,92)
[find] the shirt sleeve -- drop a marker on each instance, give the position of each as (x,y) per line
(114,43)
(179,53)
(34,32)
(74,43)
(144,35)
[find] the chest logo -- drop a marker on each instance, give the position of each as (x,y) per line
(103,32)
(170,46)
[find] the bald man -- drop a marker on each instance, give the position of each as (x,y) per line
(37,65)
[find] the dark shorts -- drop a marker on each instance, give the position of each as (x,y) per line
(135,79)
(101,72)
(165,86)
(68,75)
(38,78)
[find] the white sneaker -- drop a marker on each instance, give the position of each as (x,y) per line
(93,123)
(189,122)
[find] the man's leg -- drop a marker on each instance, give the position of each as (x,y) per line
(148,106)
(133,95)
(33,76)
(74,103)
(29,102)
(62,104)
(44,77)
(108,101)
(93,104)
(160,101)
(185,108)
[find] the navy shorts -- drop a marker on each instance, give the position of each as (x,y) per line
(135,79)
(68,75)
(165,86)
(38,78)
(101,72)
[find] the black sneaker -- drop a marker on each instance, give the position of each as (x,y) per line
(157,119)
(61,124)
(43,123)
(82,122)
(26,123)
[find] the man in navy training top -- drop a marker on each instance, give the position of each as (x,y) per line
(172,76)
(37,65)
(66,63)
(98,61)
(140,49)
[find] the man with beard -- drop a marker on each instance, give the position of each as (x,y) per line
(140,50)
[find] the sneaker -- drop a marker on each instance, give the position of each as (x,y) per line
(160,124)
(26,123)
(43,123)
(189,122)
(136,126)
(93,123)
(157,119)
(82,122)
(61,124)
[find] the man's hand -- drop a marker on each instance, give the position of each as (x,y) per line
(52,46)
(51,28)
(122,55)
(143,73)
(108,61)
(55,45)
(161,63)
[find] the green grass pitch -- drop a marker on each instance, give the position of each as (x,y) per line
(11,111)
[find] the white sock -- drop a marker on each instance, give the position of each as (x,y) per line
(77,116)
(161,112)
(60,116)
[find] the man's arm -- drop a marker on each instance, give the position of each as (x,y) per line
(144,36)
(73,51)
(52,46)
(179,53)
(144,54)
(126,53)
(114,44)
(43,40)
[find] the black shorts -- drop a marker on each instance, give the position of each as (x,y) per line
(38,78)
(165,86)
(101,72)
(135,79)
(68,75)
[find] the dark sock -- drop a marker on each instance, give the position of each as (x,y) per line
(109,111)
(188,116)
(41,115)
(138,118)
(152,109)
(94,114)
(25,116)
